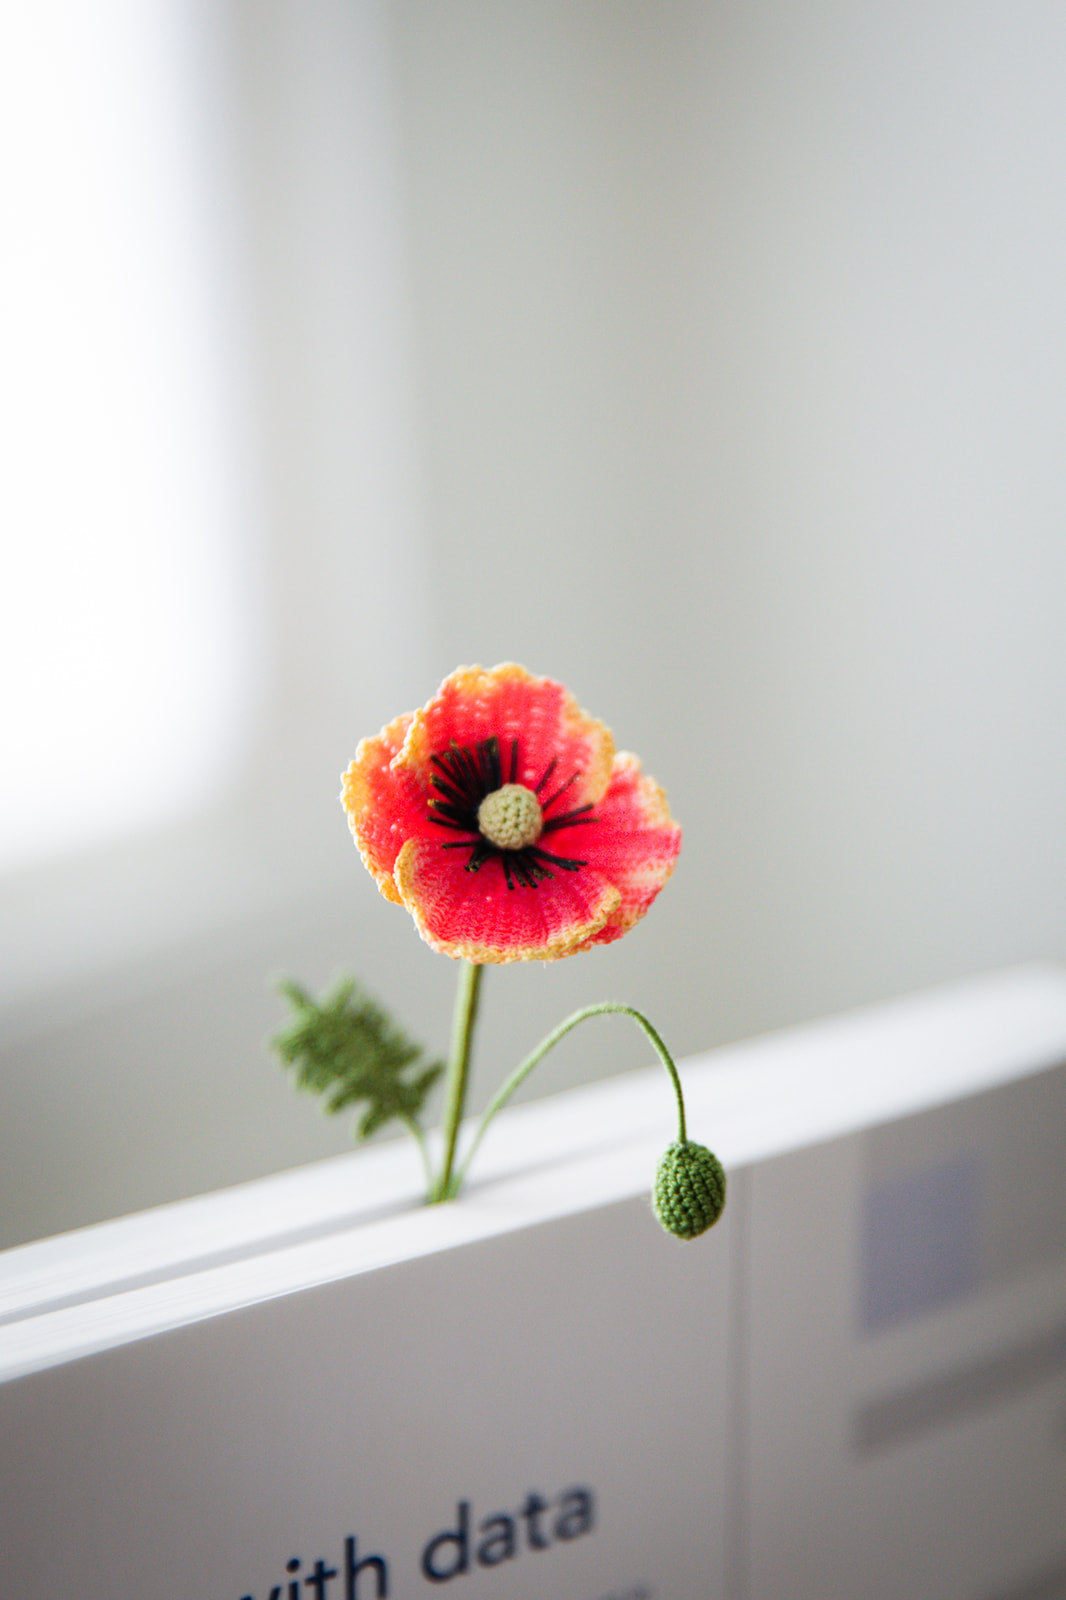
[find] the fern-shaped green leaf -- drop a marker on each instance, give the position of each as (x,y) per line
(346,1048)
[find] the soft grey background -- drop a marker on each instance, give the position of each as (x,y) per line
(709,357)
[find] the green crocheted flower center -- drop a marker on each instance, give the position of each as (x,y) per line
(510,818)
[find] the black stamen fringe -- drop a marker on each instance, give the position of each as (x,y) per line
(465,775)
(444,808)
(467,765)
(448,789)
(479,855)
(568,863)
(569,819)
(489,752)
(457,782)
(562,791)
(548,770)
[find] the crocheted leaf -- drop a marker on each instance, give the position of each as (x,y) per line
(346,1048)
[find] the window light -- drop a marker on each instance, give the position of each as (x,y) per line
(123,634)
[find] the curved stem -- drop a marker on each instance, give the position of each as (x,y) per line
(464,1017)
(423,1148)
(605,1008)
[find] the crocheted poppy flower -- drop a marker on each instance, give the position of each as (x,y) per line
(501,816)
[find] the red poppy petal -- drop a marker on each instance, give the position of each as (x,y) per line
(473,915)
(506,701)
(633,842)
(627,844)
(384,803)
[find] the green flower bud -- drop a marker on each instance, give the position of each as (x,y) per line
(689,1193)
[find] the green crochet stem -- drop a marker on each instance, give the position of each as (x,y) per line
(418,1135)
(449,1185)
(464,1017)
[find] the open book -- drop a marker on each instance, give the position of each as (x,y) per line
(854,1386)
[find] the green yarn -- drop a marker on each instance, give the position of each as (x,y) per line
(689,1193)
(348,1049)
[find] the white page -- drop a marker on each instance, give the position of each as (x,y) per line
(588,1353)
(193,1435)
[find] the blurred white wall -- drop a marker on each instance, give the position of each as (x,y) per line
(711,358)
